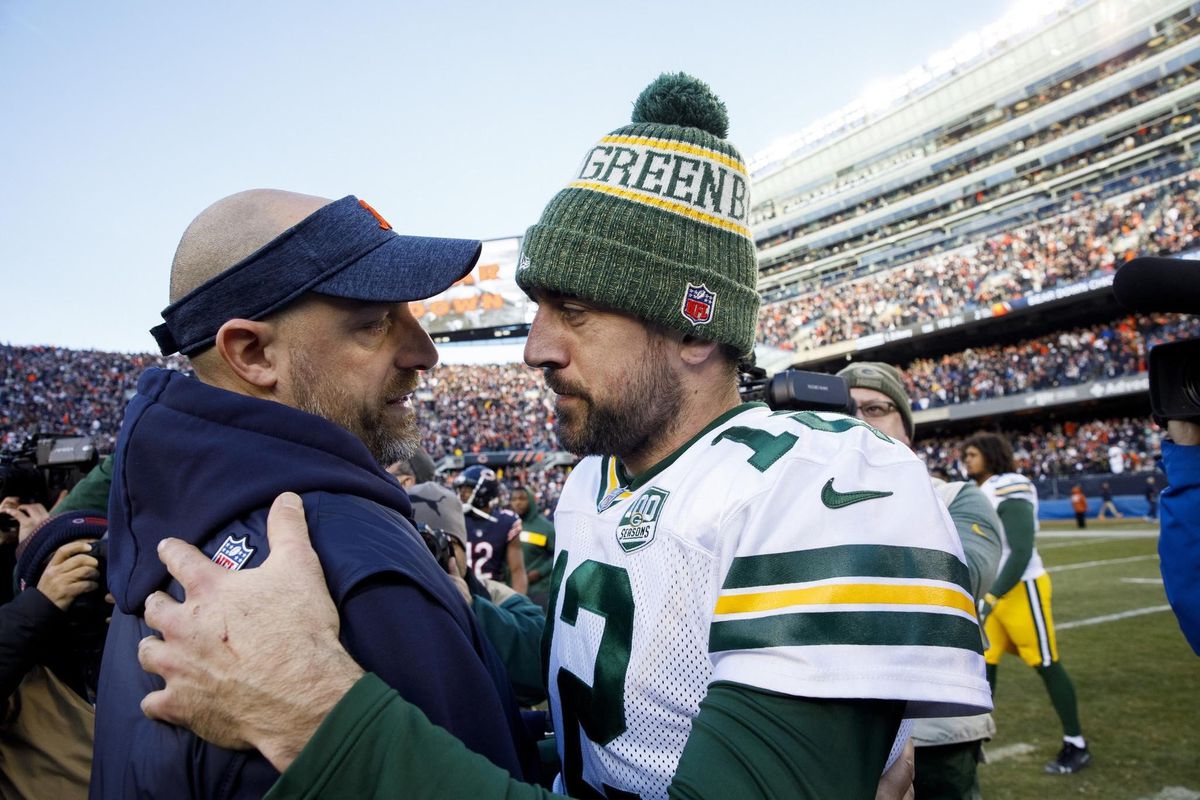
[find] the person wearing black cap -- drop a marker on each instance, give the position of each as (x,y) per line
(294,312)
(51,637)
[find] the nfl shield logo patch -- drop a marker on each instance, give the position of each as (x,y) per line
(233,553)
(698,304)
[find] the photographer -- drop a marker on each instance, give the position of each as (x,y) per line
(1169,284)
(17,521)
(51,637)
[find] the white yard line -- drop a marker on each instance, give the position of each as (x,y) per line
(1175,793)
(1103,563)
(1132,533)
(1137,612)
(1008,751)
(1147,581)
(1073,543)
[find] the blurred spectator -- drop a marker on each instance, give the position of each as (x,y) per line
(1079,505)
(1107,506)
(51,637)
(537,543)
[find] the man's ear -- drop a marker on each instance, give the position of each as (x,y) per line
(247,347)
(695,352)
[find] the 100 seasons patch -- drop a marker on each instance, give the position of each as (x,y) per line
(638,523)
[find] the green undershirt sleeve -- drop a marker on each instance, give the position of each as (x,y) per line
(746,742)
(373,744)
(1017,516)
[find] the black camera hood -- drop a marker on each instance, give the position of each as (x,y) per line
(1152,283)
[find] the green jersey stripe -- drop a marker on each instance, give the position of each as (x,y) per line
(888,628)
(845,561)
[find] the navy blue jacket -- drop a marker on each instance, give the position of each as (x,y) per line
(203,465)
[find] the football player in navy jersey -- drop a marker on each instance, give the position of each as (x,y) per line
(493,534)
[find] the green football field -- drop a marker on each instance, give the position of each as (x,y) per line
(1137,680)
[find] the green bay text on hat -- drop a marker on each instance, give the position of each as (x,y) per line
(655,222)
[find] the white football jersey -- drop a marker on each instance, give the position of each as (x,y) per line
(801,553)
(1013,486)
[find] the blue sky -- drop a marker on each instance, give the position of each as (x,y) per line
(122,120)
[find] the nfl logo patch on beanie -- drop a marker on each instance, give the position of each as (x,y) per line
(655,221)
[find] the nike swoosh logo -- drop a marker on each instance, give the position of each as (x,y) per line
(832,498)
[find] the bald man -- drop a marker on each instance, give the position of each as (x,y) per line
(294,312)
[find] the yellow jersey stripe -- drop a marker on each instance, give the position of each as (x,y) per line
(667,205)
(679,147)
(535,539)
(846,594)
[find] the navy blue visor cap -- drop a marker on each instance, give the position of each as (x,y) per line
(344,249)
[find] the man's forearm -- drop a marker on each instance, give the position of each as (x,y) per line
(25,623)
(375,744)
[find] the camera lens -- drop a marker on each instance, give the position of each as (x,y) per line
(1190,383)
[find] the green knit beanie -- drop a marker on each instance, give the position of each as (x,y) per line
(882,378)
(655,222)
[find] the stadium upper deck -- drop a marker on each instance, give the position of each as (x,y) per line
(983,136)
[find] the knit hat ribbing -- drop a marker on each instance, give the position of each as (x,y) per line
(655,222)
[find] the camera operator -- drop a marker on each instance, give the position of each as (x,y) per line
(51,638)
(1173,285)
(35,475)
(17,521)
(25,518)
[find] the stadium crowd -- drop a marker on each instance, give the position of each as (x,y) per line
(1084,242)
(55,389)
(1119,444)
(1065,358)
(472,409)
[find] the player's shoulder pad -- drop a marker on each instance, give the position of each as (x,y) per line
(1011,482)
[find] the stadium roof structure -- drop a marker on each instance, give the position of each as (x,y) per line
(1036,40)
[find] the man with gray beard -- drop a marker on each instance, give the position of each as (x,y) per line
(294,312)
